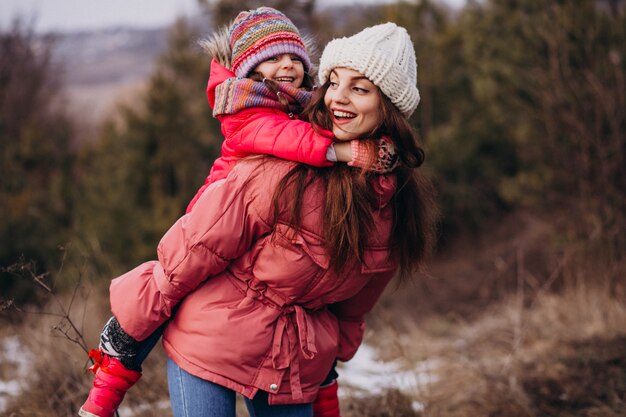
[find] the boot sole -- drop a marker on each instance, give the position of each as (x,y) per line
(84,413)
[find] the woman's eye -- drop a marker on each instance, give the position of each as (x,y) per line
(333,84)
(359,90)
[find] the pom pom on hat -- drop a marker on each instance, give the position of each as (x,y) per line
(385,55)
(259,34)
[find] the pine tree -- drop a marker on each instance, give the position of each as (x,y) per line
(35,159)
(553,72)
(148,163)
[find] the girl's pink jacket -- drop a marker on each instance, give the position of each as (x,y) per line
(261,130)
(258,307)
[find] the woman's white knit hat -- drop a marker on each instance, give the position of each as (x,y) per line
(385,55)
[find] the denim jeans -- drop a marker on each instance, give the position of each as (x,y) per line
(194,397)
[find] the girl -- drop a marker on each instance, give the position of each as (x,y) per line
(257,117)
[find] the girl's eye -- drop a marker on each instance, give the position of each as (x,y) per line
(272,59)
(296,58)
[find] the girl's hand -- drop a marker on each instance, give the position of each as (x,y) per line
(378,156)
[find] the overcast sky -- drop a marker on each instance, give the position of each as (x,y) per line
(69,15)
(73,15)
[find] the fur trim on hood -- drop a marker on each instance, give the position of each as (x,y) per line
(217,45)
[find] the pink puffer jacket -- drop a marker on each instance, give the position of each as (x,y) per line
(256,310)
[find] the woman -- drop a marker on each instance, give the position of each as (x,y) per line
(272,272)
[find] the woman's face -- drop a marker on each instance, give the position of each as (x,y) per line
(354,104)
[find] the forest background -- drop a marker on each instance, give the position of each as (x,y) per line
(521,312)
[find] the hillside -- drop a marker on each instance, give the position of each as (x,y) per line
(105,66)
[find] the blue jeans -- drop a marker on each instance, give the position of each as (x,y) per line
(194,397)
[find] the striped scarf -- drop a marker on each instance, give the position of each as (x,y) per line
(236,94)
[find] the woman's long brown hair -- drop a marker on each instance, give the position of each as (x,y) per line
(349,197)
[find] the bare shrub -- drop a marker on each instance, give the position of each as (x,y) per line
(57,380)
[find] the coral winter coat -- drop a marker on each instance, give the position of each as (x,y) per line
(256,309)
(260,130)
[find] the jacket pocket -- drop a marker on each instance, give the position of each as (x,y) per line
(377,260)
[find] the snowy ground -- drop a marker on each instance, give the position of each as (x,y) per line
(12,356)
(364,375)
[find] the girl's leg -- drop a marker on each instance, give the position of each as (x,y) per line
(258,407)
(118,369)
(195,397)
(116,343)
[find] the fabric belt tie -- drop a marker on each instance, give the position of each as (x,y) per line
(300,335)
(293,321)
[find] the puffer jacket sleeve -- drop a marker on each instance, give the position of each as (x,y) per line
(350,314)
(271,132)
(223,226)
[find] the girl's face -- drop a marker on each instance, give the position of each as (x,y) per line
(285,68)
(354,103)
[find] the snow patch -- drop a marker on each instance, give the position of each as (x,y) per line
(365,375)
(13,352)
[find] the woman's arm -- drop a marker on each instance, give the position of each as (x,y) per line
(351,312)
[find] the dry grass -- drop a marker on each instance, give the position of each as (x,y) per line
(564,355)
(501,364)
(515,325)
(58,380)
(392,403)
(549,342)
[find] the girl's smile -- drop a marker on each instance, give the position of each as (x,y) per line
(285,68)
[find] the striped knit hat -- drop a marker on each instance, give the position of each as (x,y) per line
(259,34)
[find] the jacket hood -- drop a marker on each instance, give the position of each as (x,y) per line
(219,73)
(217,46)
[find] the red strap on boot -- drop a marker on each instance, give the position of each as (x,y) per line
(97,356)
(327,402)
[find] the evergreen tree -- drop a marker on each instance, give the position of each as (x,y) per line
(148,164)
(553,73)
(35,159)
